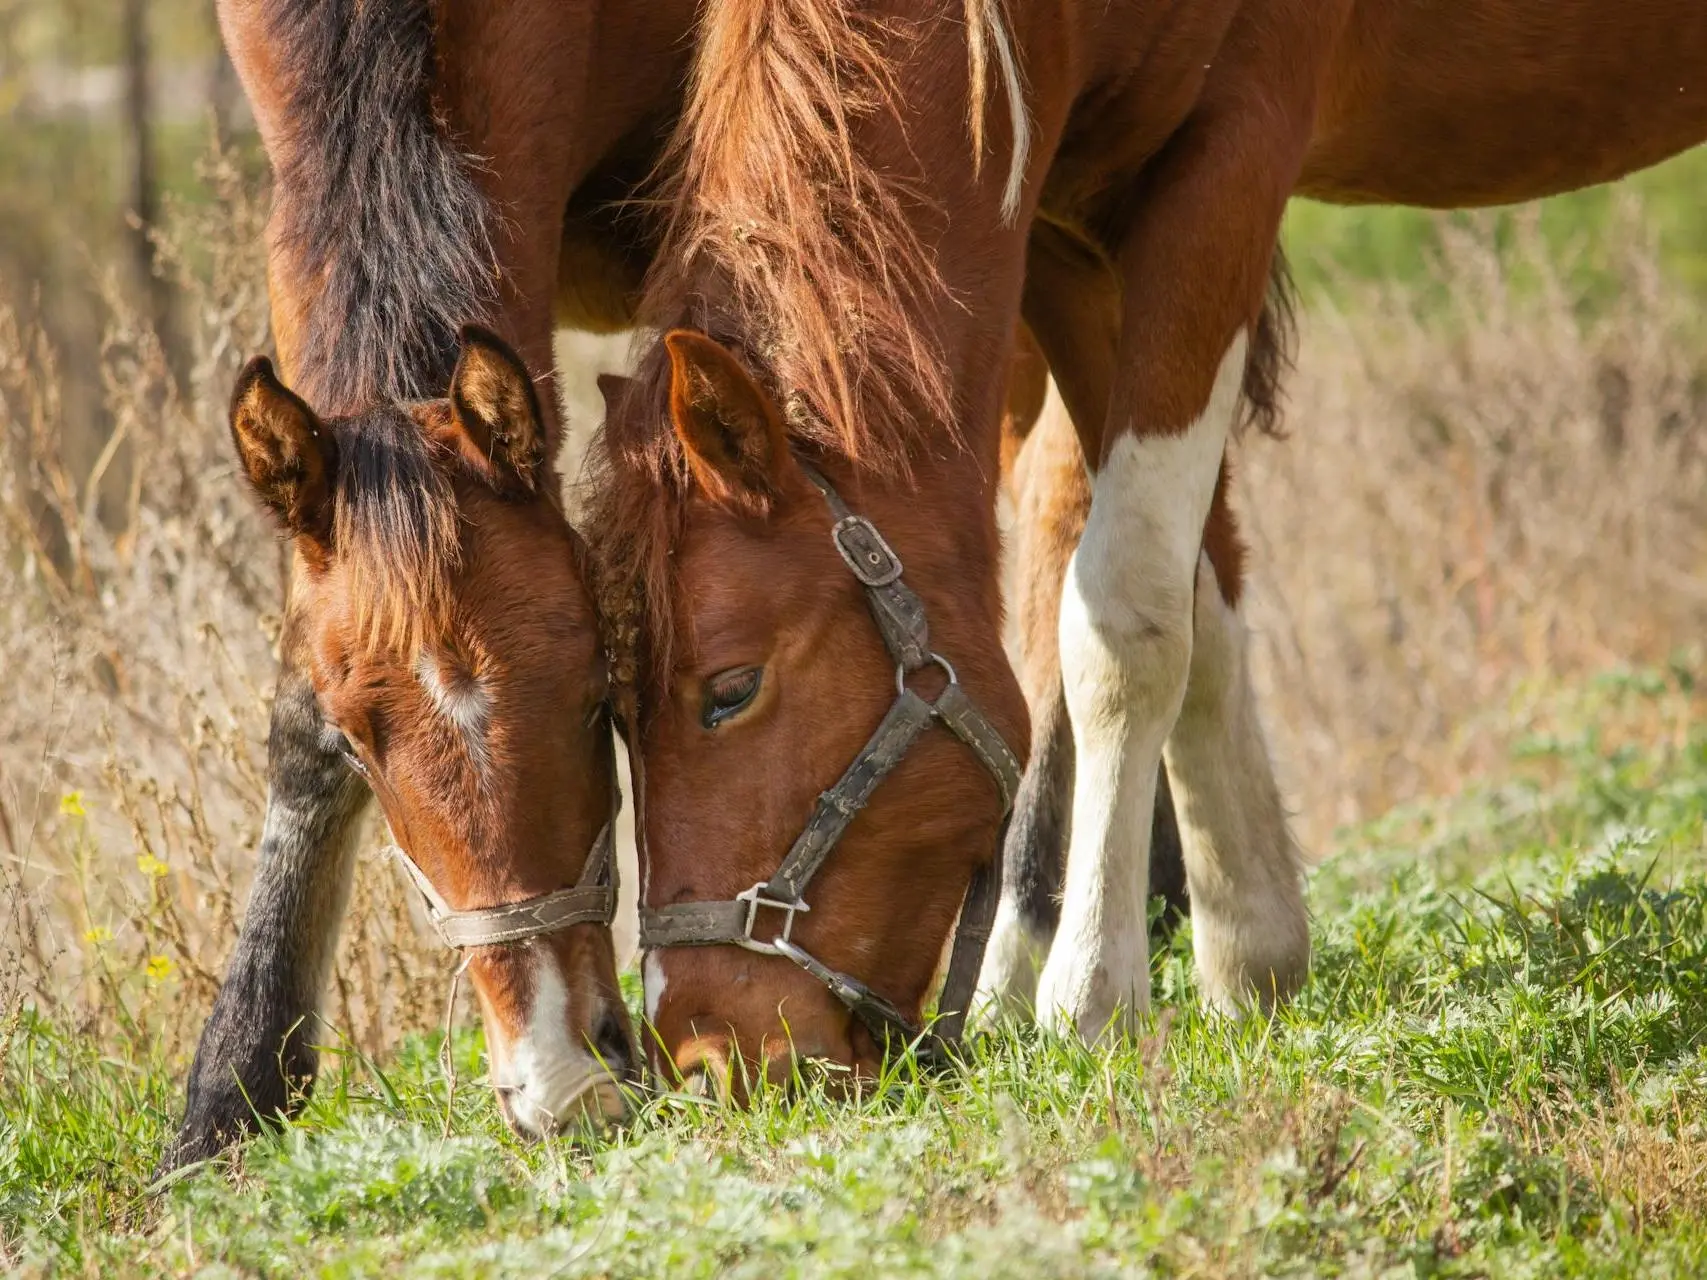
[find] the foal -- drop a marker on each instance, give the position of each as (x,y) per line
(452,653)
(435,162)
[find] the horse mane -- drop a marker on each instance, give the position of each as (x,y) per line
(396,526)
(781,239)
(377,201)
(807,246)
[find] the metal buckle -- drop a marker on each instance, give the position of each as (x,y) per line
(865,551)
(755,899)
(901,672)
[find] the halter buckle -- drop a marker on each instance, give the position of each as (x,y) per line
(755,899)
(864,550)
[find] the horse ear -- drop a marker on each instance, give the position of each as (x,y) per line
(731,429)
(495,406)
(614,388)
(287,454)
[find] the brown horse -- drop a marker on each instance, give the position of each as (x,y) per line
(452,651)
(436,164)
(844,266)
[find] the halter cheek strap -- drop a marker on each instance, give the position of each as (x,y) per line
(900,618)
(590,900)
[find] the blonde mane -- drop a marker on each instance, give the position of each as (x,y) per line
(781,238)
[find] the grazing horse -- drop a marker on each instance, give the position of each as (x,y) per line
(800,479)
(436,164)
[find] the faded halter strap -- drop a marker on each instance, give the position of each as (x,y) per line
(590,900)
(900,617)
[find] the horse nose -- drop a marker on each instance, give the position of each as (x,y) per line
(595,1107)
(614,1047)
(703,1070)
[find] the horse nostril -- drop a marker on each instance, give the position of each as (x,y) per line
(610,1042)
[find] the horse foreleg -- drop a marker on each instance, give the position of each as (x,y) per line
(1051,497)
(255,1059)
(1135,605)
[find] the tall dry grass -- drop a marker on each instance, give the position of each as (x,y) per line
(1479,497)
(139,612)
(1492,489)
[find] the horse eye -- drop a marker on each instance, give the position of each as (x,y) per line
(728,692)
(347,749)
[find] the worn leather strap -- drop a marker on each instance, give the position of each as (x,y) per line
(591,901)
(971,936)
(909,716)
(900,618)
(897,610)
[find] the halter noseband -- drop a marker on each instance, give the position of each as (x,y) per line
(591,900)
(900,617)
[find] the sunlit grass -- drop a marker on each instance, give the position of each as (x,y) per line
(1496,1069)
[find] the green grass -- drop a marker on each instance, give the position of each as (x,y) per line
(1331,245)
(1496,1069)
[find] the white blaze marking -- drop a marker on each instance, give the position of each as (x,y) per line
(1126,637)
(652,983)
(461,700)
(546,1072)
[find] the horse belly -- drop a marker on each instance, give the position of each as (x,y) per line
(1454,103)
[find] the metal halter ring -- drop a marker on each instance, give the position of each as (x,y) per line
(901,672)
(755,899)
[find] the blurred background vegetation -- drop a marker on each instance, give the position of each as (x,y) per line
(1496,489)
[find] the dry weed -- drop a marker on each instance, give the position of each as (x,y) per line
(1483,499)
(138,616)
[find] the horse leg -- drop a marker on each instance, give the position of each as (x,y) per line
(1051,498)
(255,1058)
(1192,291)
(1251,937)
(1071,305)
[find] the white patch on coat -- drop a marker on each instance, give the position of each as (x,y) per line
(547,1076)
(652,983)
(1126,643)
(1013,959)
(459,697)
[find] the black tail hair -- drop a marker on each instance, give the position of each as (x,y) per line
(1271,350)
(378,202)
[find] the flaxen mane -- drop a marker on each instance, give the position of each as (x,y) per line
(381,200)
(783,240)
(396,527)
(810,249)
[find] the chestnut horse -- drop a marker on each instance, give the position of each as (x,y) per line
(844,266)
(435,164)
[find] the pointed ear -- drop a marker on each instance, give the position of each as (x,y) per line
(614,388)
(287,454)
(496,408)
(732,430)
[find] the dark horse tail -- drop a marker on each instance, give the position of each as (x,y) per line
(377,203)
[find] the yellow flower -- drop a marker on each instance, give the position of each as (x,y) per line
(71,805)
(149,865)
(99,935)
(158,968)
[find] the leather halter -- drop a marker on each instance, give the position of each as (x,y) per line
(590,900)
(900,617)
